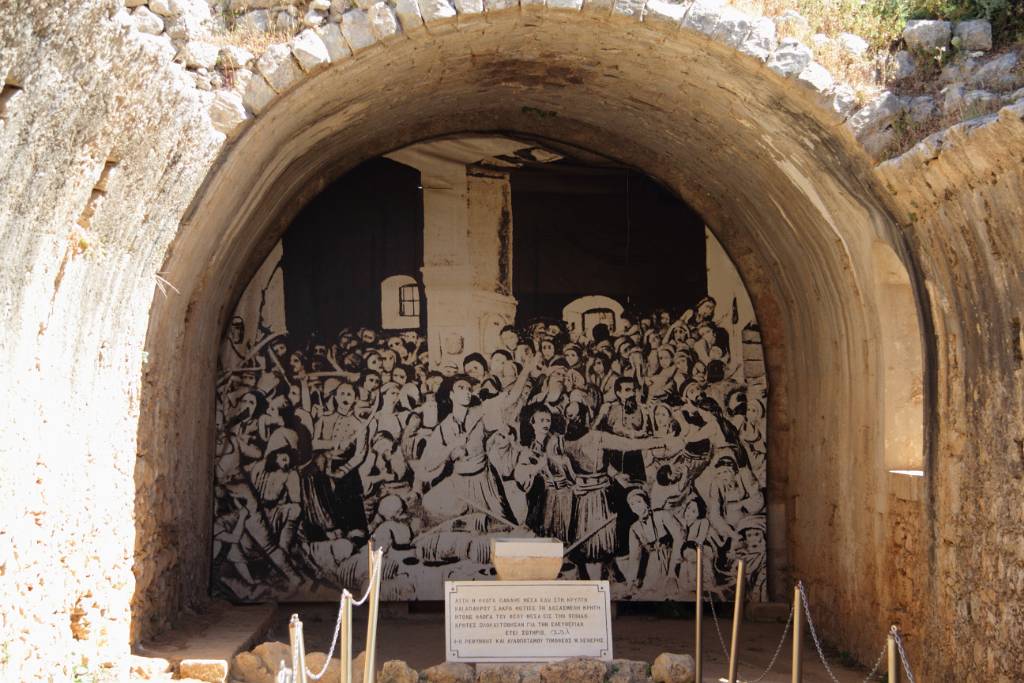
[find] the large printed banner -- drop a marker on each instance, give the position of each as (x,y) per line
(635,437)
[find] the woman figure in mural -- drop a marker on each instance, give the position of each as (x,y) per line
(245,425)
(456,466)
(276,482)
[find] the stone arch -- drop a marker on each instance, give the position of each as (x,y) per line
(787,193)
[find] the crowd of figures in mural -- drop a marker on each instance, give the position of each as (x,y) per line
(634,446)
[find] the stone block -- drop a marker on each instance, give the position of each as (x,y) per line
(208,670)
(309,50)
(903,65)
(790,58)
(627,671)
(875,115)
(927,35)
(358,32)
(315,662)
(436,11)
(397,671)
(816,77)
(258,94)
(197,54)
(704,15)
(574,670)
(227,111)
(672,668)
(973,35)
(337,46)
(383,20)
(278,67)
(733,27)
(409,16)
(448,672)
(1001,73)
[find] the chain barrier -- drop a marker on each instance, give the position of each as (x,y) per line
(778,648)
(903,653)
(337,627)
(334,642)
(821,652)
(725,651)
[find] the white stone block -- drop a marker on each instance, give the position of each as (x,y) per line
(436,11)
(258,94)
(278,67)
(337,46)
(355,26)
(409,16)
(383,21)
(309,50)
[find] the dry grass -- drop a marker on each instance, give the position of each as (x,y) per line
(235,34)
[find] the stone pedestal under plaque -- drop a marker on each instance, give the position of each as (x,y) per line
(526,621)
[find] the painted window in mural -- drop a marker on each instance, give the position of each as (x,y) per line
(633,434)
(409,301)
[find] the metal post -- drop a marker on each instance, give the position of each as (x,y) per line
(894,669)
(345,646)
(376,566)
(798,634)
(298,648)
(737,616)
(698,663)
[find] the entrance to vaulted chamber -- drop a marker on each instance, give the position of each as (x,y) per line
(484,337)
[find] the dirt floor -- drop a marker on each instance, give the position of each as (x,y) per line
(418,638)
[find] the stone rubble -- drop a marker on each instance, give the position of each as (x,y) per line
(320,32)
(926,36)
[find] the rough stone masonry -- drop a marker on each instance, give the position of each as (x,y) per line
(129,217)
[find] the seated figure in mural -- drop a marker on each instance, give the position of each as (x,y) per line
(635,446)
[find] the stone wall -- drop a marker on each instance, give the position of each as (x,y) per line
(959,193)
(102,147)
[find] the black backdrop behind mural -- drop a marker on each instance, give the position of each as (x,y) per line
(580,231)
(363,228)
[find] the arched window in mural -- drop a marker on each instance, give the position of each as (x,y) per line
(399,303)
(586,312)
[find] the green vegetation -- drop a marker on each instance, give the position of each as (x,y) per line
(880,22)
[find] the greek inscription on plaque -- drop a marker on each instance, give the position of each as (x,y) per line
(526,621)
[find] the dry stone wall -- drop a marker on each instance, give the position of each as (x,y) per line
(104,143)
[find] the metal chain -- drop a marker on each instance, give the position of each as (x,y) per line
(903,654)
(814,634)
(337,624)
(817,642)
(878,663)
(334,642)
(725,652)
(778,649)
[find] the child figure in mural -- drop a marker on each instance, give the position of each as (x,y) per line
(635,444)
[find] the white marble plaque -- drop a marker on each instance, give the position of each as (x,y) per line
(526,621)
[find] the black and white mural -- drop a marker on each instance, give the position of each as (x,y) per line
(628,424)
